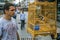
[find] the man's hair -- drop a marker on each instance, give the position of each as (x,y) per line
(6,6)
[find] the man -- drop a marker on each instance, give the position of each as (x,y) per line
(8,26)
(22,19)
(17,10)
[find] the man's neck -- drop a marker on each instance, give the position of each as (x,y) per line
(7,17)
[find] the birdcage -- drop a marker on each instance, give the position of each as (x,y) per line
(43,14)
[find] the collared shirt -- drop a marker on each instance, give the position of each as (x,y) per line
(8,29)
(22,16)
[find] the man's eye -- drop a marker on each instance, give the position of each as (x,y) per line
(12,10)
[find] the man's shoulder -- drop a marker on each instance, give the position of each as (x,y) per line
(1,20)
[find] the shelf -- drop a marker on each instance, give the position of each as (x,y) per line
(48,9)
(43,31)
(31,23)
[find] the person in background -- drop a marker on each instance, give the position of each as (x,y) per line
(8,26)
(22,19)
(18,10)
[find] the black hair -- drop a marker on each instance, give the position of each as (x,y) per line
(6,6)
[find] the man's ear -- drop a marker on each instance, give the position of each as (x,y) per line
(6,11)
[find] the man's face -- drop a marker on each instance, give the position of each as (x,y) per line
(11,11)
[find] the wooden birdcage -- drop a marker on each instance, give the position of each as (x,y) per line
(45,13)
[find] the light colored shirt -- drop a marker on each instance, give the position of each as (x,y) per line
(17,10)
(22,16)
(8,29)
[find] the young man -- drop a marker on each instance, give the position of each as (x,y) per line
(22,19)
(8,26)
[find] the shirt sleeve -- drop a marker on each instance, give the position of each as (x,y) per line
(0,29)
(25,16)
(20,16)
